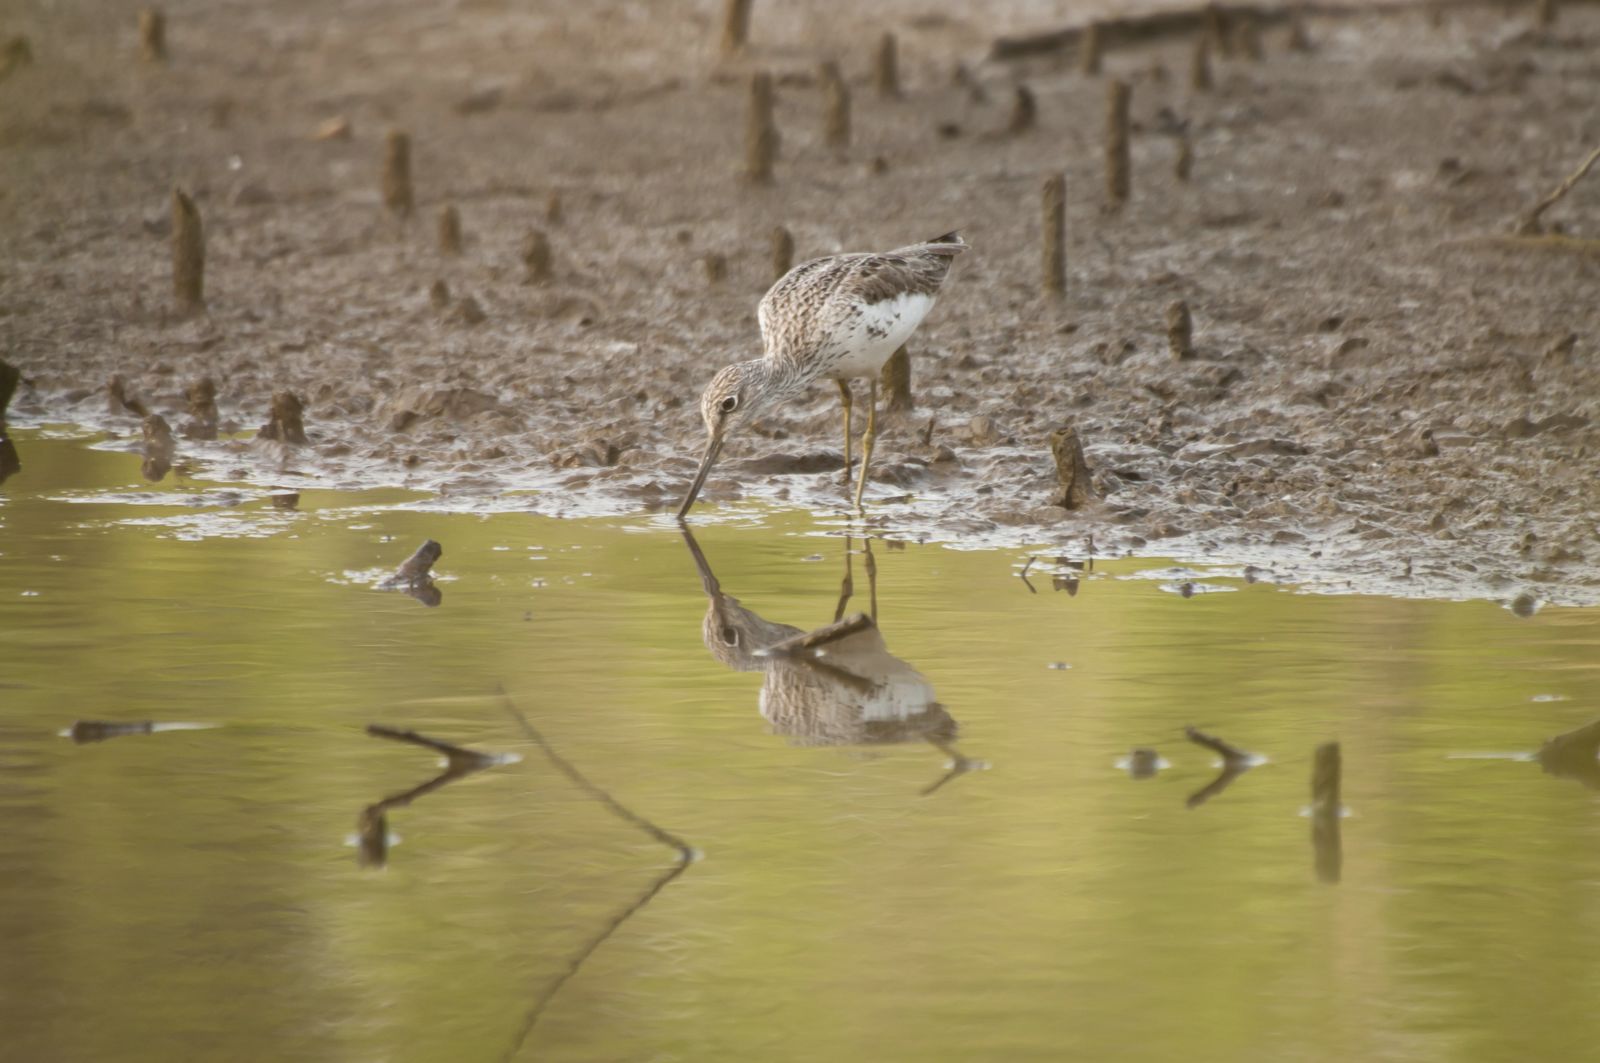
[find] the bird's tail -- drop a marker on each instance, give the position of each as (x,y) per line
(949,245)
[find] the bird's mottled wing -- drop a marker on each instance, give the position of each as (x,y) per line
(808,304)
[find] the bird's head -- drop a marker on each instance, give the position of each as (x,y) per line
(733,394)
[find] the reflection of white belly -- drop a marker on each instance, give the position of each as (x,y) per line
(877,332)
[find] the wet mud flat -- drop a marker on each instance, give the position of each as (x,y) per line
(1384,389)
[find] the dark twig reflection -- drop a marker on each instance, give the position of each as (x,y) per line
(1235,762)
(85,731)
(685,856)
(372,827)
(1574,755)
(10,377)
(1326,846)
(10,464)
(836,685)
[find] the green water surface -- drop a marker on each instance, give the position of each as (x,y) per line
(199,894)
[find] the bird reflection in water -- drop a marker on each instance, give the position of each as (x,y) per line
(1574,755)
(837,685)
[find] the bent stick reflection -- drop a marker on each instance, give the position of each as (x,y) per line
(659,883)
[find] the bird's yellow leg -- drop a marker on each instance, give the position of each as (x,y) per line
(869,438)
(845,397)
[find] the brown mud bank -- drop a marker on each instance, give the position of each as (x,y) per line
(1385,392)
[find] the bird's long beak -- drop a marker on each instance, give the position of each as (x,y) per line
(713,448)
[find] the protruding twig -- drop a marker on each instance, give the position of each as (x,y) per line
(439,295)
(158,448)
(1325,812)
(1119,182)
(896,381)
(287,424)
(716,267)
(1090,50)
(1075,486)
(1143,762)
(153,35)
(418,566)
(1247,37)
(1545,12)
(760,132)
(1299,37)
(397,194)
(536,257)
(1529,224)
(1180,330)
(449,229)
(203,416)
(188,253)
(886,67)
(1024,111)
(835,106)
(735,25)
(15,54)
(1200,64)
(553,212)
(1218,31)
(782,251)
(1053,278)
(1183,161)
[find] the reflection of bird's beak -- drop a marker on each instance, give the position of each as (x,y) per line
(708,579)
(713,448)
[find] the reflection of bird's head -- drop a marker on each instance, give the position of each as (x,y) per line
(734,634)
(731,632)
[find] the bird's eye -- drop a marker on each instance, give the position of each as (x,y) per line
(730,403)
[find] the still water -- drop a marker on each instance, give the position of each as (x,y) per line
(912,843)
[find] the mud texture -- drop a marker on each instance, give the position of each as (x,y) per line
(1387,391)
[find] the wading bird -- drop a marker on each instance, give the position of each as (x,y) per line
(838,317)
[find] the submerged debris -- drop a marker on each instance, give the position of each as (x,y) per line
(203,417)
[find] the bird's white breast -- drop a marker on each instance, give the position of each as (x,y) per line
(872,332)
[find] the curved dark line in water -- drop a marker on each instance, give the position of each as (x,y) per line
(665,837)
(543,1001)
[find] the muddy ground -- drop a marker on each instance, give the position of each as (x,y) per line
(1386,395)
